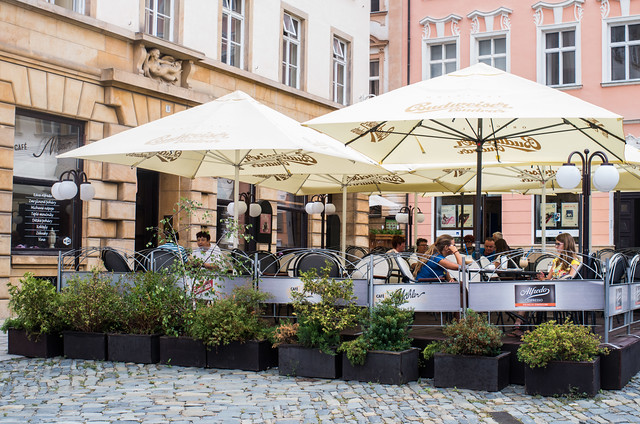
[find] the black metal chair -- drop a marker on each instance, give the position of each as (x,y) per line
(114,261)
(316,260)
(162,260)
(268,263)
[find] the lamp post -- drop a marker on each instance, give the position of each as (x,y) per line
(605,178)
(248,202)
(318,205)
(406,216)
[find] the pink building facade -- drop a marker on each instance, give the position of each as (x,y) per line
(588,48)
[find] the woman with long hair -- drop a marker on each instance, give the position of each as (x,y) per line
(567,263)
(502,253)
(435,264)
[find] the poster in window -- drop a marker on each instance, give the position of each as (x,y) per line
(448,216)
(569,214)
(265,223)
(466,217)
(550,215)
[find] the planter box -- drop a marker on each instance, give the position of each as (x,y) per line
(383,367)
(182,352)
(80,345)
(138,348)
(563,378)
(38,346)
(295,360)
(251,355)
(620,365)
(490,373)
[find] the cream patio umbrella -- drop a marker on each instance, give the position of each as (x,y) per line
(232,135)
(467,117)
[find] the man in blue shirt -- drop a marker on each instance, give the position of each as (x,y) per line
(171,243)
(489,249)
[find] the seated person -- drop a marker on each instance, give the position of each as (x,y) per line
(468,244)
(567,264)
(489,249)
(210,256)
(501,257)
(171,239)
(421,246)
(398,244)
(436,265)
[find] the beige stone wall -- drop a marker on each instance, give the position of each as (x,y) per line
(90,71)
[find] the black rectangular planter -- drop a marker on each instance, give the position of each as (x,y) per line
(80,345)
(251,355)
(182,352)
(383,367)
(620,365)
(34,345)
(563,378)
(295,360)
(490,373)
(138,348)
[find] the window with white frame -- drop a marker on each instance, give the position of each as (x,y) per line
(158,18)
(624,51)
(232,32)
(75,5)
(442,58)
(291,35)
(493,51)
(375,5)
(340,63)
(374,77)
(560,57)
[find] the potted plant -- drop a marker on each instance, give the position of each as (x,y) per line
(35,329)
(561,359)
(324,307)
(90,307)
(470,356)
(383,352)
(233,331)
(151,306)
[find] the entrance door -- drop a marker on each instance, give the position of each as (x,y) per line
(492,214)
(146,209)
(627,225)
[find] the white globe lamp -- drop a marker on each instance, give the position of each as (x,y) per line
(420,218)
(605,178)
(402,217)
(68,189)
(330,208)
(55,191)
(568,176)
(87,191)
(254,210)
(308,208)
(318,207)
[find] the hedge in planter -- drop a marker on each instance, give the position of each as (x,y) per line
(324,307)
(561,359)
(90,308)
(233,332)
(383,352)
(470,356)
(35,329)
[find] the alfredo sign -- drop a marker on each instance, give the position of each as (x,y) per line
(537,295)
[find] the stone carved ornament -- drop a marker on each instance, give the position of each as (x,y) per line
(164,68)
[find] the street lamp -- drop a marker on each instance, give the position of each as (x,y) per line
(405,216)
(605,179)
(318,205)
(247,198)
(70,183)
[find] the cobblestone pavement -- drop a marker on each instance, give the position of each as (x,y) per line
(74,391)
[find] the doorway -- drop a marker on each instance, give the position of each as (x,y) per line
(146,209)
(626,228)
(492,214)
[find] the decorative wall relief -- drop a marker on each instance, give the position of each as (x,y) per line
(163,68)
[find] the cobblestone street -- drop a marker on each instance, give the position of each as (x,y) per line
(75,391)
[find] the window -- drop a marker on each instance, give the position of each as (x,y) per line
(41,223)
(75,5)
(375,5)
(340,71)
(493,52)
(624,44)
(232,32)
(157,18)
(442,58)
(452,218)
(560,57)
(561,214)
(292,221)
(291,51)
(374,77)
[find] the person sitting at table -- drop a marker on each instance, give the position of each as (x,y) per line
(468,244)
(397,244)
(489,249)
(567,264)
(208,256)
(435,264)
(421,246)
(171,239)
(501,257)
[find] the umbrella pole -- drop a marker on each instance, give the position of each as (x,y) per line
(343,224)
(415,223)
(236,199)
(543,214)
(477,231)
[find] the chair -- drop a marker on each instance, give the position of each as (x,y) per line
(242,262)
(617,269)
(633,275)
(114,261)
(381,268)
(407,275)
(316,260)
(160,260)
(356,251)
(543,262)
(268,263)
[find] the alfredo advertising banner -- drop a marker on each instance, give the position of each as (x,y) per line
(528,295)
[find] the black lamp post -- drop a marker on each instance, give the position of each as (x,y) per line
(605,179)
(73,183)
(405,216)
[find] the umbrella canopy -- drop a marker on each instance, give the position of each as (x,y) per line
(472,116)
(233,135)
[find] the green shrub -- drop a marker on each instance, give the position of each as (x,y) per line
(232,318)
(431,349)
(91,303)
(559,342)
(472,335)
(330,310)
(386,327)
(35,304)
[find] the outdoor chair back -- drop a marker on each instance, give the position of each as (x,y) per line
(317,260)
(268,263)
(634,269)
(617,269)
(162,260)
(381,268)
(114,261)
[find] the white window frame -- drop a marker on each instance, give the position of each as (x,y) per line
(340,57)
(153,11)
(374,78)
(291,38)
(541,51)
(426,54)
(606,48)
(77,6)
(475,47)
(230,15)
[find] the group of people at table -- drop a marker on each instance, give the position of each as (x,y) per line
(435,260)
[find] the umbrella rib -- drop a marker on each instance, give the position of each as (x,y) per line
(370,130)
(604,130)
(454,130)
(401,140)
(593,139)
